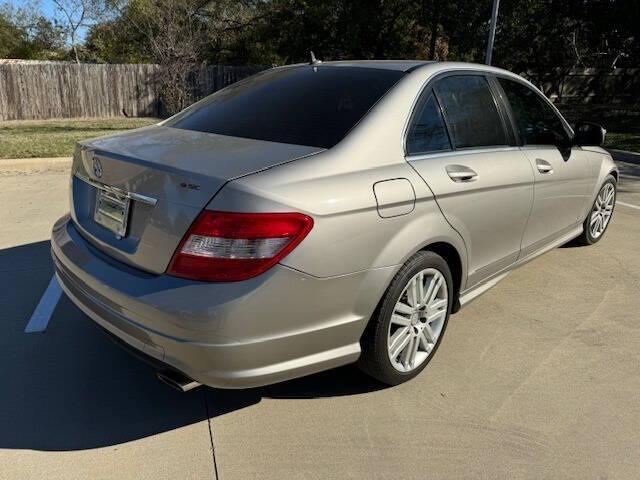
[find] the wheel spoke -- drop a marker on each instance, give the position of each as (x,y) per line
(420,288)
(411,293)
(427,345)
(402,307)
(436,289)
(405,358)
(400,320)
(594,217)
(399,341)
(429,334)
(437,304)
(413,351)
(427,295)
(609,196)
(435,316)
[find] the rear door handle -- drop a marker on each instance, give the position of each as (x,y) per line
(460,173)
(544,166)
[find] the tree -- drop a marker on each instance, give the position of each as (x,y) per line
(12,39)
(75,15)
(25,33)
(535,35)
(178,35)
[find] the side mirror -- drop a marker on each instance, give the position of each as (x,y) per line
(589,134)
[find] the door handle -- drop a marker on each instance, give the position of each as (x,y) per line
(460,173)
(543,166)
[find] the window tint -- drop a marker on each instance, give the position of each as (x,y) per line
(537,123)
(310,105)
(427,132)
(472,115)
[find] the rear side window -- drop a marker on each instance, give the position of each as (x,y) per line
(471,112)
(537,123)
(310,105)
(427,132)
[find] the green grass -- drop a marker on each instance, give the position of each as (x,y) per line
(57,138)
(623,141)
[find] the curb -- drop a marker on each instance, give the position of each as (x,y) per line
(626,152)
(625,156)
(34,164)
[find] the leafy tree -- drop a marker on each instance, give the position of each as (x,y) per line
(543,37)
(26,34)
(12,39)
(74,15)
(547,38)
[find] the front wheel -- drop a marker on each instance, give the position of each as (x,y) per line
(408,325)
(600,214)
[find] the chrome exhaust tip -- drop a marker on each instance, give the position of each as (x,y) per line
(177,381)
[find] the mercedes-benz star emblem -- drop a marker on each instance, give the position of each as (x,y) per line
(97,167)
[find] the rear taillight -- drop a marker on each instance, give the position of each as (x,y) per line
(227,247)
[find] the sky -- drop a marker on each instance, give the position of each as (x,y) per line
(46,7)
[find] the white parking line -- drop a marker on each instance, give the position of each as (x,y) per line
(42,314)
(628,205)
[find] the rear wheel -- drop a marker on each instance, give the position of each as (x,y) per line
(408,325)
(600,214)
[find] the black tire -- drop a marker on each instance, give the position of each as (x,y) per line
(374,359)
(586,238)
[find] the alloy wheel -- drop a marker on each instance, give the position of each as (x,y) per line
(417,320)
(602,210)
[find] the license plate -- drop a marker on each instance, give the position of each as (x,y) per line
(112,211)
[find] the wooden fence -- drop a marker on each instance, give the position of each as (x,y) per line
(607,96)
(41,90)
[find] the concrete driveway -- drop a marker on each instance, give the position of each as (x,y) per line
(539,378)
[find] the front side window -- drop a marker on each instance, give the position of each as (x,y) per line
(308,105)
(471,112)
(537,123)
(427,132)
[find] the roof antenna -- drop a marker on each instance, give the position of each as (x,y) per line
(314,60)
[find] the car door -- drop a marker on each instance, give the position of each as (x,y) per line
(563,175)
(459,142)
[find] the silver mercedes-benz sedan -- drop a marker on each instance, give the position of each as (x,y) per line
(317,215)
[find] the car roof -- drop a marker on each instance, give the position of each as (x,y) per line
(408,66)
(398,65)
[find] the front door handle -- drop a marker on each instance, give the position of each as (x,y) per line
(460,173)
(543,166)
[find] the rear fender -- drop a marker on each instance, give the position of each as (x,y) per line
(348,234)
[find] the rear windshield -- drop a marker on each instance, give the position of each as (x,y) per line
(310,105)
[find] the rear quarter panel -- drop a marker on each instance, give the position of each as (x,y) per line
(348,234)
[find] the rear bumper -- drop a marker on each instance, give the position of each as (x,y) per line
(279,325)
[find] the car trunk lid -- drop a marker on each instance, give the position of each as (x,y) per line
(165,177)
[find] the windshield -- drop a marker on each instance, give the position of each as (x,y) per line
(309,105)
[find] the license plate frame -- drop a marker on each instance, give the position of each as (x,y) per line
(112,211)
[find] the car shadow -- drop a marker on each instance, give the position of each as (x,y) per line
(71,388)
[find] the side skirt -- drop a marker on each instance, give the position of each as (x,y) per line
(474,292)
